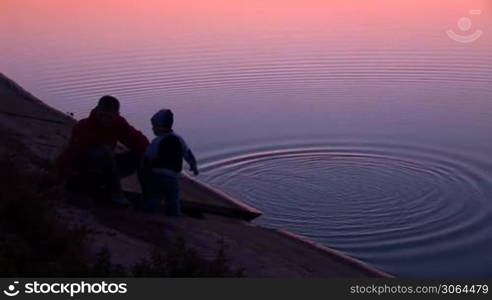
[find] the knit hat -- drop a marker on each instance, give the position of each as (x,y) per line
(164,118)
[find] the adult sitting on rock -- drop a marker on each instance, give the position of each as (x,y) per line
(90,164)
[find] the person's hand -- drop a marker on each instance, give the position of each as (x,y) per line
(195,171)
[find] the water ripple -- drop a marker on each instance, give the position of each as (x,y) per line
(374,201)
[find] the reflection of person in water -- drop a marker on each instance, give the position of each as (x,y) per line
(89,158)
(162,165)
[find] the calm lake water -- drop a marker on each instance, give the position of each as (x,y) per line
(360,124)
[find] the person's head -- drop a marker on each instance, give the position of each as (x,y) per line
(106,109)
(109,104)
(162,121)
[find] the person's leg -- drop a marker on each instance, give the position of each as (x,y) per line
(127,163)
(102,164)
(157,187)
(171,196)
(152,192)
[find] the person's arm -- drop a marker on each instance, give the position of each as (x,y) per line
(191,160)
(189,157)
(131,137)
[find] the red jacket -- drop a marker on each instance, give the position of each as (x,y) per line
(89,133)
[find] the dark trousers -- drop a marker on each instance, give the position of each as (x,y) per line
(101,170)
(158,188)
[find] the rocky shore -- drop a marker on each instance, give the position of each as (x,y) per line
(40,132)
